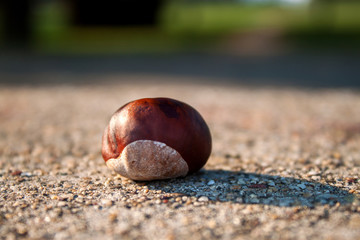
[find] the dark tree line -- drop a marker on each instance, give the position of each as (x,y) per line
(17,15)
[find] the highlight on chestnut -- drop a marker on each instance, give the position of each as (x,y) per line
(156,138)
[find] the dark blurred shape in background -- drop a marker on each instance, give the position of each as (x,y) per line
(287,42)
(114,13)
(17,29)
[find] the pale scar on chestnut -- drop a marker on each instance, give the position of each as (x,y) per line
(156,138)
(147,160)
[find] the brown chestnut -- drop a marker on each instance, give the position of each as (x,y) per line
(156,138)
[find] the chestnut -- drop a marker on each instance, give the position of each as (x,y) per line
(156,138)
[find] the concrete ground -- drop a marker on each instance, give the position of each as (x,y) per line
(285,163)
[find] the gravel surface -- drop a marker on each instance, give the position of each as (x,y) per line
(285,165)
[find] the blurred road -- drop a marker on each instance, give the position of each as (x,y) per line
(293,69)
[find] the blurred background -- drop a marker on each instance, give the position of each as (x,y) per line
(307,43)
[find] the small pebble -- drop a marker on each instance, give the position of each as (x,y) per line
(106,202)
(203,199)
(113,217)
(16,173)
(211,182)
(302,186)
(26,174)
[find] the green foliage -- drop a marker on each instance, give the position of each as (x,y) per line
(217,18)
(186,24)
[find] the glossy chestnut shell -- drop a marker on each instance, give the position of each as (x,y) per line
(163,120)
